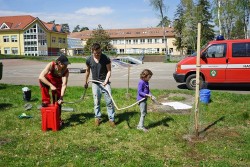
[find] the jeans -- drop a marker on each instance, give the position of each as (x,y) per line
(98,90)
(143,109)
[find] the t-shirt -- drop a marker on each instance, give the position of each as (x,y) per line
(99,70)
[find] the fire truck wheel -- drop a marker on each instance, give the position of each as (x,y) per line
(191,81)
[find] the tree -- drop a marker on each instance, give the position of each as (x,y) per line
(84,28)
(165,22)
(158,5)
(204,16)
(100,36)
(65,28)
(178,27)
(76,29)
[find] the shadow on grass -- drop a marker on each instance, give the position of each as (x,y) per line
(77,119)
(163,122)
(2,86)
(5,105)
(212,124)
(125,116)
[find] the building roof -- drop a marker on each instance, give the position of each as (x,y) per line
(21,22)
(127,33)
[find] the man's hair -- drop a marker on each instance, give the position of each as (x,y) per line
(95,46)
(145,73)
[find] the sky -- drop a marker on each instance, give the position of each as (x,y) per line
(110,14)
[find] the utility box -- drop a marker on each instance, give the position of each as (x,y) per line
(50,117)
(1,70)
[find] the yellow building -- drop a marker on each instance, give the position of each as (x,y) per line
(27,35)
(137,40)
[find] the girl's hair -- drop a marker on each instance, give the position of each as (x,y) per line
(145,73)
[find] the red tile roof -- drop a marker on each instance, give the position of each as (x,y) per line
(21,22)
(17,22)
(127,33)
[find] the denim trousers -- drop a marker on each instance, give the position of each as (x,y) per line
(143,109)
(98,90)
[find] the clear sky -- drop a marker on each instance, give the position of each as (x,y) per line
(111,14)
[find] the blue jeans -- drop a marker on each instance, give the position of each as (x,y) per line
(98,90)
(143,109)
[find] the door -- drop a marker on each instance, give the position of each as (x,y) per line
(213,63)
(238,70)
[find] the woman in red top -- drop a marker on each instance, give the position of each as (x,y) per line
(54,77)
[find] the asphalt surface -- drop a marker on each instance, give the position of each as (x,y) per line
(26,72)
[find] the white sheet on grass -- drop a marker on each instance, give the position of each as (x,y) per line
(177,105)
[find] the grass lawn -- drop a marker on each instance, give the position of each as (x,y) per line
(225,142)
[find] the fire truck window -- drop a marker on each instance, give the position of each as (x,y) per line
(216,51)
(241,49)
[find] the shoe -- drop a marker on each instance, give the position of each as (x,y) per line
(142,129)
(97,122)
(112,124)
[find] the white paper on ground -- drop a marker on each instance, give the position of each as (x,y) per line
(177,105)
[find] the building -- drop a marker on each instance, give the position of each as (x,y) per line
(137,40)
(75,46)
(28,35)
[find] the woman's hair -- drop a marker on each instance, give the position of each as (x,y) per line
(145,73)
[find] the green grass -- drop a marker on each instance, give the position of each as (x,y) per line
(80,143)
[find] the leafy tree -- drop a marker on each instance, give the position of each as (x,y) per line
(178,27)
(65,27)
(84,28)
(204,16)
(165,22)
(100,36)
(76,29)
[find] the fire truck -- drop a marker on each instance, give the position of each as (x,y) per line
(222,61)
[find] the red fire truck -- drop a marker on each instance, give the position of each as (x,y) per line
(222,61)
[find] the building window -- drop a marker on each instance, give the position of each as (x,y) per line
(150,41)
(6,50)
(157,41)
(135,41)
(6,39)
(53,39)
(142,41)
(60,40)
(13,38)
(14,51)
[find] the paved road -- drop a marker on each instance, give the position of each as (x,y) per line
(25,72)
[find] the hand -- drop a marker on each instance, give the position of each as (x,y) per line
(153,98)
(104,83)
(60,101)
(86,86)
(52,87)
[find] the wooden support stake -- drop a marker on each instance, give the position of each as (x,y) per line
(197,90)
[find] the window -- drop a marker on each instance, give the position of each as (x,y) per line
(216,51)
(135,41)
(6,50)
(6,39)
(241,49)
(150,40)
(142,41)
(13,38)
(14,51)
(53,39)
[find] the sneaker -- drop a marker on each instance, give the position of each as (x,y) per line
(97,121)
(142,129)
(112,124)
